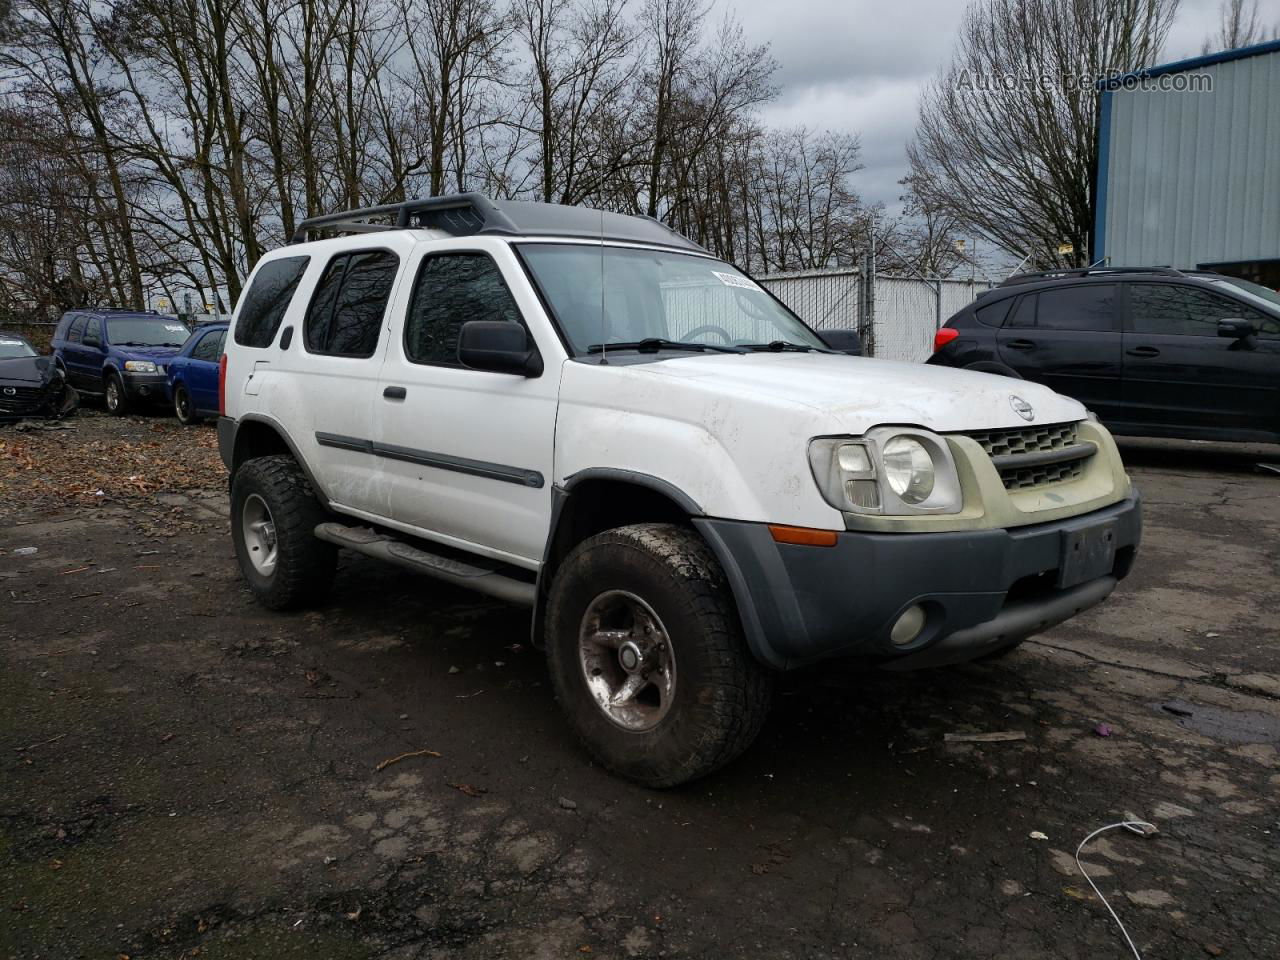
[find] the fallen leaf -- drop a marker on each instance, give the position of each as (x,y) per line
(469,790)
(998,736)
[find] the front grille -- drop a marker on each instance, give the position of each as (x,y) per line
(22,399)
(1024,478)
(1029,445)
(1053,436)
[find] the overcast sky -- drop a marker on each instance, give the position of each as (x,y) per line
(858,66)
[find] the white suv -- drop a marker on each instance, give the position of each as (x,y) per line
(588,414)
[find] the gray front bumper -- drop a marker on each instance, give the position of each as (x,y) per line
(982,589)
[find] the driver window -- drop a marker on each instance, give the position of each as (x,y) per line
(452,288)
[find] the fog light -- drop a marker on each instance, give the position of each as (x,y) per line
(908,626)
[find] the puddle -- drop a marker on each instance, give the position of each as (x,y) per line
(1238,726)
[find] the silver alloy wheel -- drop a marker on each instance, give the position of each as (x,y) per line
(182,404)
(113,394)
(627,660)
(259,534)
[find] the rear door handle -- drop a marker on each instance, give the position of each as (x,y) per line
(395,393)
(1021,344)
(1143,352)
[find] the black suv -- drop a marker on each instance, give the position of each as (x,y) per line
(1153,352)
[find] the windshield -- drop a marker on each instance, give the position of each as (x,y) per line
(650,295)
(147,332)
(1254,291)
(11,348)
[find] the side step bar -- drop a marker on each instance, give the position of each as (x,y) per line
(477,575)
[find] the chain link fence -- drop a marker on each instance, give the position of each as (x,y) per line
(896,316)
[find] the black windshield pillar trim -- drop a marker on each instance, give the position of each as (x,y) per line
(440,461)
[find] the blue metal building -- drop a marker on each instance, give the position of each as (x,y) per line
(1189,165)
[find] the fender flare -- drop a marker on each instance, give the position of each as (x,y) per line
(278,428)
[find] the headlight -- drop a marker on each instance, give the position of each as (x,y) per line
(893,471)
(908,469)
(139,366)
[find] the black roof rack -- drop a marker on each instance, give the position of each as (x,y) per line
(1065,272)
(471,214)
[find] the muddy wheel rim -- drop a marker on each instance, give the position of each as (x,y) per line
(627,660)
(259,535)
(183,404)
(113,395)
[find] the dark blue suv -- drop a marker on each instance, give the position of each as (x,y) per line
(117,354)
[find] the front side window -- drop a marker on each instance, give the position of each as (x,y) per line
(267,299)
(1088,307)
(451,289)
(344,318)
(602,295)
(93,330)
(1170,309)
(144,331)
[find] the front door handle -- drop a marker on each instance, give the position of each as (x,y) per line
(1143,352)
(1021,344)
(395,393)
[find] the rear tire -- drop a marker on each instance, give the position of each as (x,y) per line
(274,513)
(114,396)
(702,697)
(183,408)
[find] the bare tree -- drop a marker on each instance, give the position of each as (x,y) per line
(1240,24)
(1006,142)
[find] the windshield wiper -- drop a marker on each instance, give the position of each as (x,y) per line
(654,344)
(134,343)
(778,346)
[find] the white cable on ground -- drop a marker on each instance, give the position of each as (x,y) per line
(1142,829)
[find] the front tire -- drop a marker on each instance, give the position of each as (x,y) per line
(114,396)
(274,513)
(183,408)
(647,656)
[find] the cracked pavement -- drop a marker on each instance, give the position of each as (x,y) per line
(185,774)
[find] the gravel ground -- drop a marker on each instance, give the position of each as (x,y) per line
(184,774)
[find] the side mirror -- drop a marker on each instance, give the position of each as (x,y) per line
(846,341)
(1236,328)
(498,346)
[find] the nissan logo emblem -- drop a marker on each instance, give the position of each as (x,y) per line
(1022,408)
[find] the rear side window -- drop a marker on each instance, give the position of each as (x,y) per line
(64,326)
(450,290)
(993,314)
(209,347)
(344,318)
(1091,307)
(77,329)
(267,299)
(1173,310)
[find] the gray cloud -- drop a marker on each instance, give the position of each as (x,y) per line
(859,67)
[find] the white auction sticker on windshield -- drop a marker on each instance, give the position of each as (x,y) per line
(175,328)
(10,343)
(733,280)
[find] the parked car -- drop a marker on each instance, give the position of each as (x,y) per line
(117,354)
(31,385)
(590,415)
(1153,352)
(191,375)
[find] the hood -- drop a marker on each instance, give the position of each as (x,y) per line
(146,353)
(861,392)
(26,370)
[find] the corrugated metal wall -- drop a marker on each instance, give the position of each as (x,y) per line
(1194,177)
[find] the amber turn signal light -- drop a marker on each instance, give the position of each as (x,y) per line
(803,536)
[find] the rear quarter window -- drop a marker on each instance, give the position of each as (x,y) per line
(268,297)
(993,314)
